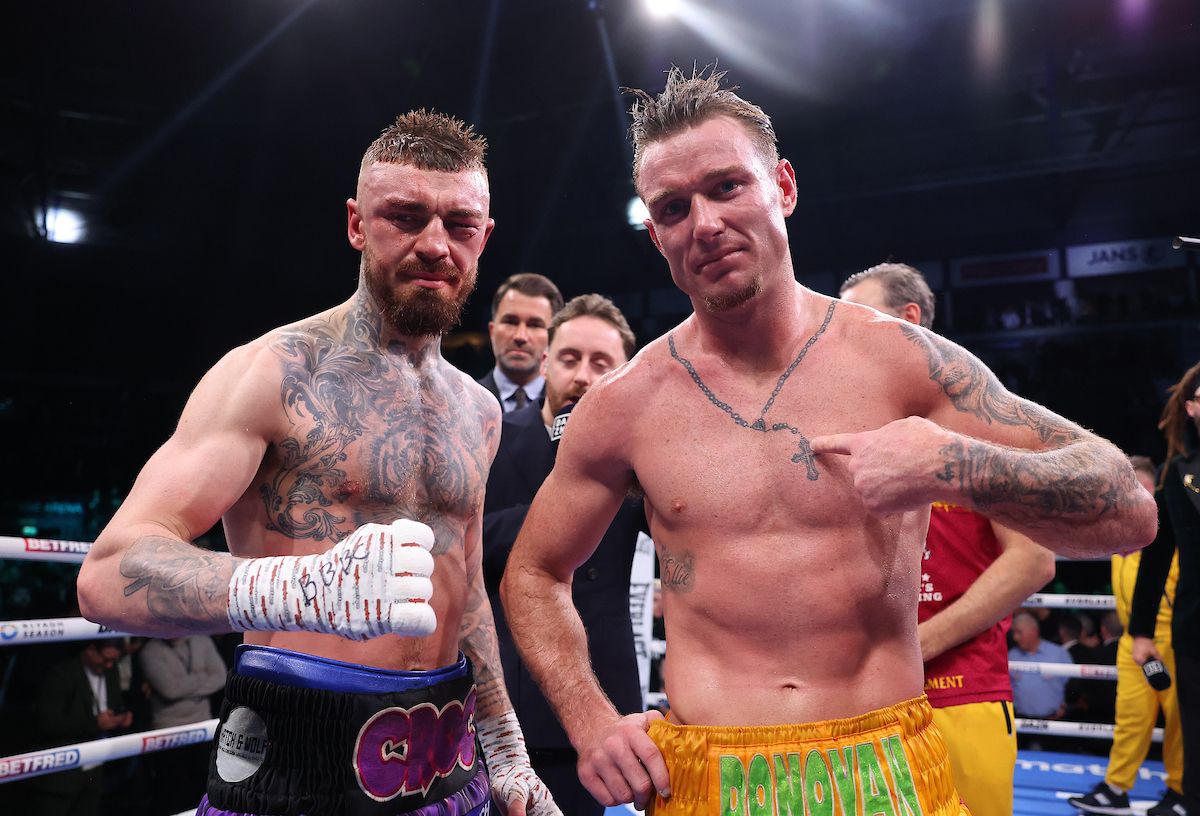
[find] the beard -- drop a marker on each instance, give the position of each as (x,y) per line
(725,302)
(416,311)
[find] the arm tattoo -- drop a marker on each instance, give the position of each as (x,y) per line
(477,636)
(1064,483)
(184,584)
(973,389)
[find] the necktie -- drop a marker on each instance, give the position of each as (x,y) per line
(520,398)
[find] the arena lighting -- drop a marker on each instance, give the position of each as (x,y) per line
(662,8)
(64,226)
(637,213)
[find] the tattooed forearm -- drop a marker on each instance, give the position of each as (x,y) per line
(975,390)
(477,637)
(183,584)
(1068,483)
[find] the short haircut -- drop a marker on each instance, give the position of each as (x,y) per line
(428,140)
(1071,625)
(1024,620)
(1144,464)
(688,101)
(529,284)
(902,284)
(601,307)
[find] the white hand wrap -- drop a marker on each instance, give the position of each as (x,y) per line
(374,582)
(513,778)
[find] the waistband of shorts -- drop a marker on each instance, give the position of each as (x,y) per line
(288,748)
(299,670)
(912,717)
(897,747)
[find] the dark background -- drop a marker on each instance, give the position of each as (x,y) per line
(211,146)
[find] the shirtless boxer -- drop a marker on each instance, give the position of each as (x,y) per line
(788,446)
(347,459)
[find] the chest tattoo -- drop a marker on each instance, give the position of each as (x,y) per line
(370,434)
(804,454)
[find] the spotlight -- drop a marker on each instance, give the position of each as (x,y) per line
(662,8)
(637,213)
(64,226)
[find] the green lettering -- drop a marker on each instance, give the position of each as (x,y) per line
(908,801)
(843,775)
(818,788)
(733,785)
(877,796)
(789,785)
(761,796)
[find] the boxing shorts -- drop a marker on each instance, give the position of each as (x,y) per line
(890,761)
(301,734)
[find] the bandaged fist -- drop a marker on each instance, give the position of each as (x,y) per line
(514,784)
(376,581)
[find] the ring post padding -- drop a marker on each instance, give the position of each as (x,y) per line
(44,549)
(52,760)
(53,630)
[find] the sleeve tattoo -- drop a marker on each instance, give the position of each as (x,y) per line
(1073,476)
(184,584)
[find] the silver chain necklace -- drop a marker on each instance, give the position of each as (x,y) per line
(804,454)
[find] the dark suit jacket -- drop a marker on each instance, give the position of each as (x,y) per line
(601,584)
(63,712)
(488,381)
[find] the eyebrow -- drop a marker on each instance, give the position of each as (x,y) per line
(410,205)
(709,176)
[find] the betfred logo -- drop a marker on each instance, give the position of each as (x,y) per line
(402,751)
(161,742)
(46,545)
(34,764)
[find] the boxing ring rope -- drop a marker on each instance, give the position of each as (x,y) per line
(43,549)
(52,760)
(50,630)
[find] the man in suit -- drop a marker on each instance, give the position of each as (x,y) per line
(80,700)
(521,312)
(587,338)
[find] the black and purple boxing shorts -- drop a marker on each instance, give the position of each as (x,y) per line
(302,735)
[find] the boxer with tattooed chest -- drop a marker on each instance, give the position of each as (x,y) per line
(347,460)
(789,447)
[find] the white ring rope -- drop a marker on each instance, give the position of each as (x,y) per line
(1054,601)
(52,760)
(43,549)
(53,630)
(1063,728)
(1089,671)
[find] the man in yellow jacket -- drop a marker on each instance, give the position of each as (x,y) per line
(1138,703)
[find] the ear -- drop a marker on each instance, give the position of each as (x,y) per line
(354,230)
(912,313)
(545,362)
(649,225)
(487,233)
(785,179)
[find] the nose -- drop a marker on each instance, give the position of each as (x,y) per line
(521,335)
(706,223)
(433,243)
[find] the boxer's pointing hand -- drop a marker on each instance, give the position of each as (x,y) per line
(893,468)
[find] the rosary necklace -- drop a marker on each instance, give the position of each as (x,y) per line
(804,454)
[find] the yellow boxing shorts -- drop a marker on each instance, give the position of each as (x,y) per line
(890,762)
